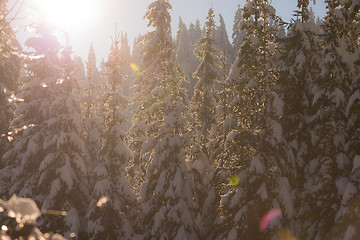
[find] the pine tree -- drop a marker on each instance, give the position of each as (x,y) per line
(194,33)
(223,42)
(112,199)
(331,165)
(137,50)
(298,61)
(167,191)
(125,53)
(184,49)
(237,34)
(347,71)
(157,47)
(10,64)
(167,194)
(203,108)
(92,122)
(63,169)
(204,100)
(22,161)
(251,147)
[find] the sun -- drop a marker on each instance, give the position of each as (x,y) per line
(69,15)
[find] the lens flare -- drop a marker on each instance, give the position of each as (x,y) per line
(134,67)
(234,181)
(284,234)
(268,217)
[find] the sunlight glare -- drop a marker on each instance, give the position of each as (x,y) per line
(69,15)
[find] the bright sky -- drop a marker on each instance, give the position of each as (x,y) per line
(128,14)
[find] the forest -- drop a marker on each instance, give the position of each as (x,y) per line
(191,135)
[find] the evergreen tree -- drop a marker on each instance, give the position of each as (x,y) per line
(237,35)
(22,161)
(10,64)
(347,183)
(167,191)
(92,122)
(157,47)
(203,108)
(184,49)
(62,171)
(112,198)
(251,147)
(192,62)
(331,166)
(167,194)
(298,61)
(137,50)
(204,100)
(125,54)
(223,42)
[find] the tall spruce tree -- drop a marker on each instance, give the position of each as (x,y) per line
(157,47)
(184,49)
(203,108)
(10,64)
(167,191)
(331,165)
(223,42)
(252,150)
(92,120)
(22,161)
(347,179)
(298,60)
(63,169)
(112,198)
(237,34)
(167,194)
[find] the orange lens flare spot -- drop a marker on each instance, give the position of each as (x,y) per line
(134,67)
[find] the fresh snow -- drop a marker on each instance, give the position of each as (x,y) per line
(24,210)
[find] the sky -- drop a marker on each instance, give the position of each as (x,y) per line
(128,16)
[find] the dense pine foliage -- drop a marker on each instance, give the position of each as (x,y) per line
(190,135)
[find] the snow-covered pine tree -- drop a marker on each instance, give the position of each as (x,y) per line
(331,166)
(203,103)
(298,61)
(237,34)
(22,161)
(347,217)
(10,64)
(62,182)
(223,43)
(167,191)
(167,194)
(194,33)
(92,120)
(252,147)
(184,50)
(203,109)
(157,47)
(137,49)
(125,55)
(112,198)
